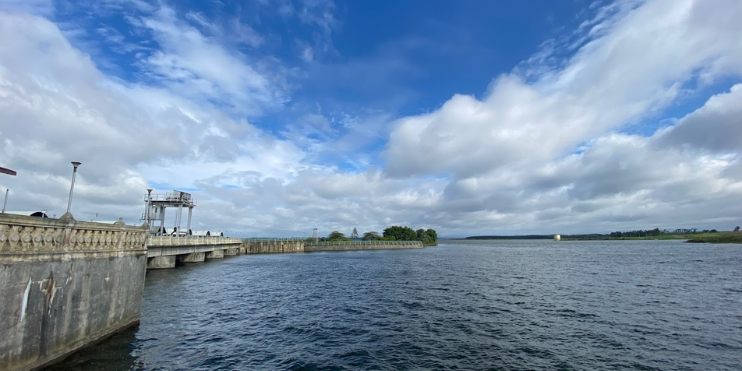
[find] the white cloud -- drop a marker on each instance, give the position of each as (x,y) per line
(56,106)
(716,127)
(200,67)
(622,76)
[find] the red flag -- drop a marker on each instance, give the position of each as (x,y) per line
(7,171)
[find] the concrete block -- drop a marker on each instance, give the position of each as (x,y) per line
(231,252)
(216,254)
(192,258)
(159,262)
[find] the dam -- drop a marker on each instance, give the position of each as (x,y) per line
(66,284)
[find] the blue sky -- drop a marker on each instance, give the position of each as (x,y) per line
(468,117)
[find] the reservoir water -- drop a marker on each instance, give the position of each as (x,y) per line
(463,305)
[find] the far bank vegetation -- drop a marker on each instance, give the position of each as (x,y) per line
(689,234)
(429,237)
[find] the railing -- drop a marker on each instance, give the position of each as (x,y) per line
(26,234)
(368,243)
(291,239)
(189,241)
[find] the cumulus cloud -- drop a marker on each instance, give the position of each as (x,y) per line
(56,106)
(541,146)
(715,127)
(636,67)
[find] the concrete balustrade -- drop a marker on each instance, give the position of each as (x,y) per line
(65,284)
(192,241)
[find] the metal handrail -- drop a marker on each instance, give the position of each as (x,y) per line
(368,243)
(182,241)
(288,239)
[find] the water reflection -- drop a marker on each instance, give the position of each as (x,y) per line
(114,353)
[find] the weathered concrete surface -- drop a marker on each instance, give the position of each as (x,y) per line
(65,284)
(216,254)
(231,251)
(354,247)
(273,246)
(192,258)
(160,246)
(293,246)
(160,262)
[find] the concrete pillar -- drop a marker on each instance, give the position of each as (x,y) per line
(159,262)
(231,251)
(162,220)
(177,219)
(216,254)
(192,258)
(188,225)
(243,250)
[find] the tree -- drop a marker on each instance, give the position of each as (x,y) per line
(420,234)
(354,234)
(370,236)
(400,233)
(431,237)
(335,235)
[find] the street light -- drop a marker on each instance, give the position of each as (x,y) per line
(67,215)
(11,173)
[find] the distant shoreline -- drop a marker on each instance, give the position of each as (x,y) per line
(717,237)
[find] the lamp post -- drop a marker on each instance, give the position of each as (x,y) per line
(67,215)
(11,173)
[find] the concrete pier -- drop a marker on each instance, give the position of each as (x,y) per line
(231,251)
(65,284)
(216,254)
(159,262)
(195,257)
(167,252)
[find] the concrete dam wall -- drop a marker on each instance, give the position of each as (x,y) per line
(362,245)
(273,246)
(65,284)
(278,246)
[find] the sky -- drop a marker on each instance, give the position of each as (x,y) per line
(469,117)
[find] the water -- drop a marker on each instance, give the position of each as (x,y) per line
(479,305)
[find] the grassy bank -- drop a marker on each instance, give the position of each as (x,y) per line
(608,238)
(721,237)
(718,237)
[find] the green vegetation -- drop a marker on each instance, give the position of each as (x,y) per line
(428,237)
(336,236)
(398,233)
(371,236)
(690,234)
(719,237)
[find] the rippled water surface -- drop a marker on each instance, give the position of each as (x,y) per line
(504,305)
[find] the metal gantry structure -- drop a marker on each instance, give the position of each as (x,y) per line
(157,204)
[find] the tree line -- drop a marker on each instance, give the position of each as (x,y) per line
(600,236)
(428,237)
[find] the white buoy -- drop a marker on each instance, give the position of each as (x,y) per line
(557,237)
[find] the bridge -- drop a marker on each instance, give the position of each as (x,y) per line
(167,251)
